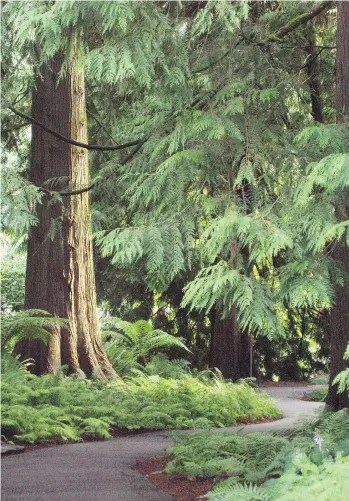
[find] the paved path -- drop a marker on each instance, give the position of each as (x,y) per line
(103,471)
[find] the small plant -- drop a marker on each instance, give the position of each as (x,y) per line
(317,395)
(130,346)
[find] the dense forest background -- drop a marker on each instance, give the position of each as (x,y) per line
(204,145)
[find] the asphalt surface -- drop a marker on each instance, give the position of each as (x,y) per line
(103,471)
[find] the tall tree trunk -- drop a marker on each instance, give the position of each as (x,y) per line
(229,350)
(60,275)
(339,330)
(339,317)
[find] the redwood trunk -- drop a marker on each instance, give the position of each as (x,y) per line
(339,317)
(229,350)
(60,274)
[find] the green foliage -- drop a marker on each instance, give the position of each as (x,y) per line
(19,197)
(129,346)
(161,365)
(253,456)
(307,464)
(39,409)
(319,380)
(317,395)
(304,480)
(342,379)
(12,280)
(27,324)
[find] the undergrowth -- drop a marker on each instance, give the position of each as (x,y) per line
(57,407)
(310,464)
(318,395)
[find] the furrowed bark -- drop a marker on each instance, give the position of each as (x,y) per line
(60,275)
(339,317)
(229,350)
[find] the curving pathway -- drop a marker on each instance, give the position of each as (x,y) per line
(103,471)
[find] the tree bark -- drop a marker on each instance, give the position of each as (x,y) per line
(60,275)
(342,61)
(314,83)
(229,349)
(339,330)
(339,317)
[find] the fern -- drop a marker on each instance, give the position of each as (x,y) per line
(129,343)
(39,409)
(28,324)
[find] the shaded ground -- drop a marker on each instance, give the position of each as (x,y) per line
(105,471)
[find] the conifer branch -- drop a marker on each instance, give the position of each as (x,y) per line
(72,141)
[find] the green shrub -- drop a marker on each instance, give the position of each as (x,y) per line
(319,380)
(304,481)
(38,409)
(317,395)
(308,481)
(131,346)
(311,464)
(252,457)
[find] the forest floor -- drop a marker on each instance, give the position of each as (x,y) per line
(107,471)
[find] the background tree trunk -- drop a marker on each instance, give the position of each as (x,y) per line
(229,350)
(60,275)
(339,317)
(314,82)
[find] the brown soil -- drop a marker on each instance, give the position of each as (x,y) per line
(180,487)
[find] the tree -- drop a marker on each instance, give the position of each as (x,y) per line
(213,95)
(60,275)
(339,317)
(209,177)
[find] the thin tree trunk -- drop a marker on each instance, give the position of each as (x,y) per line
(314,83)
(229,350)
(60,275)
(339,317)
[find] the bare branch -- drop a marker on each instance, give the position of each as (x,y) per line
(299,20)
(72,141)
(94,183)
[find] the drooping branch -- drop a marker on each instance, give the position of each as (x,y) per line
(72,141)
(92,185)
